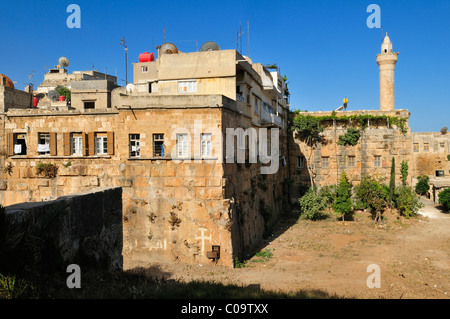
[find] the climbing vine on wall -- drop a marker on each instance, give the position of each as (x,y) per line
(302,123)
(350,138)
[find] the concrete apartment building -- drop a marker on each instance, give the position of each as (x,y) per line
(163,140)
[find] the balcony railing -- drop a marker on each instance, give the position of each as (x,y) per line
(240,98)
(268,116)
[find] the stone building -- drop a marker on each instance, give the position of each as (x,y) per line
(431,157)
(166,141)
(384,134)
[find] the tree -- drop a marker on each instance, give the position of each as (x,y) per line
(404,170)
(444,198)
(343,204)
(312,205)
(422,185)
(309,130)
(407,202)
(392,183)
(370,193)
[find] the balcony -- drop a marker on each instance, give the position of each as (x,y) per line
(268,116)
(240,98)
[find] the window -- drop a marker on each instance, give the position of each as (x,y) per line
(416,147)
(43,143)
(248,96)
(20,144)
(351,161)
(135,145)
(144,69)
(325,162)
(182,145)
(441,147)
(187,86)
(256,105)
(300,162)
(206,144)
(101,144)
(158,145)
(149,87)
(89,104)
(377,161)
(426,147)
(77,144)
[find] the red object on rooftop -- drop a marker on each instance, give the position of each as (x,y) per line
(9,83)
(35,101)
(62,98)
(146,57)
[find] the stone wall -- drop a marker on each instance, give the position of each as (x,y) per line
(378,139)
(156,190)
(83,229)
(12,98)
(430,153)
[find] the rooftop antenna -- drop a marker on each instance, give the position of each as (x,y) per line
(122,42)
(248,39)
(241,33)
(239,36)
(31,77)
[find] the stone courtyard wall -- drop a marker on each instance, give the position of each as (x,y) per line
(83,229)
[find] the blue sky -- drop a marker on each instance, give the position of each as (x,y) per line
(324,47)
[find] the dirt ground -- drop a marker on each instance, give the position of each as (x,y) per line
(333,257)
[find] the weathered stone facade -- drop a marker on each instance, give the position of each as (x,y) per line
(372,155)
(174,207)
(83,229)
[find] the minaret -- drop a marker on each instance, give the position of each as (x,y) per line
(386,61)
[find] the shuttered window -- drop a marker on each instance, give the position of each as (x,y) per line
(53,149)
(66,144)
(10,144)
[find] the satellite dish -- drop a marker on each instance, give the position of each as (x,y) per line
(168,48)
(129,88)
(53,95)
(210,46)
(64,62)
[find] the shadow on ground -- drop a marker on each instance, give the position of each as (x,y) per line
(141,283)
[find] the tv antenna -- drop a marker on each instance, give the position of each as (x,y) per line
(239,37)
(122,42)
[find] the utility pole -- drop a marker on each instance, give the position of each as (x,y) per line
(122,42)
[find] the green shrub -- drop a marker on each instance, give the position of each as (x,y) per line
(407,202)
(329,193)
(444,198)
(371,194)
(404,171)
(10,287)
(266,253)
(312,205)
(422,185)
(238,264)
(343,204)
(392,183)
(351,137)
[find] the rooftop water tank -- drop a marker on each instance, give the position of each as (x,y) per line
(146,57)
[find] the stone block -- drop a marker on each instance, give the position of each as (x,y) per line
(93,181)
(214,181)
(172,182)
